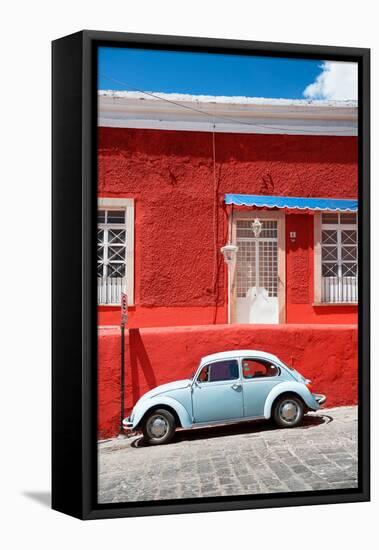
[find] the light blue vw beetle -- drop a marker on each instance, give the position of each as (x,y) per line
(232,386)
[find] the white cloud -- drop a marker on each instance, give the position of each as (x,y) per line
(338,80)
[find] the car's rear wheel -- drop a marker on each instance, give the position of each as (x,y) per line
(159,427)
(288,411)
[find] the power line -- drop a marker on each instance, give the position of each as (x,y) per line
(200,111)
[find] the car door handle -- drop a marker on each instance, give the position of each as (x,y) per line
(236,386)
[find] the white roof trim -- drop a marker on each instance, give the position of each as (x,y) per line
(228,114)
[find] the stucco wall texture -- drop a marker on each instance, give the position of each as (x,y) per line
(181,219)
(326,354)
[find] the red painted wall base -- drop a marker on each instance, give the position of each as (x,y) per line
(327,354)
(140,316)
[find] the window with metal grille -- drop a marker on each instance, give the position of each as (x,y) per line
(111,255)
(339,258)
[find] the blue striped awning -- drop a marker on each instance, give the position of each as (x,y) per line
(300,203)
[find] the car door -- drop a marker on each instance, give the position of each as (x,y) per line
(217,392)
(259,376)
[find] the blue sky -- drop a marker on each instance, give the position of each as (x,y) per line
(208,74)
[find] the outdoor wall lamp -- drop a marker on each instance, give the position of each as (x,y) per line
(229,252)
(257,227)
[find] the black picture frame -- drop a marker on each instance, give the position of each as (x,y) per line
(74,151)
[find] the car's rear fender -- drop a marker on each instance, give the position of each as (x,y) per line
(290,387)
(161,401)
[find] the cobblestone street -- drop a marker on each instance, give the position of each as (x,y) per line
(250,458)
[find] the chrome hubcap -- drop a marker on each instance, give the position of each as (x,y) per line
(157,427)
(289,411)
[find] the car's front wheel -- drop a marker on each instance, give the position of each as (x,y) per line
(288,411)
(159,427)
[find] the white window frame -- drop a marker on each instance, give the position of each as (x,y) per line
(318,259)
(128,206)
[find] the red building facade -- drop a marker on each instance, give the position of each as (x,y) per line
(163,220)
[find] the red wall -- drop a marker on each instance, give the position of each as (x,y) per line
(300,306)
(327,354)
(180,217)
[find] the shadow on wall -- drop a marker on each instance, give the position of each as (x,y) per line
(138,358)
(41,497)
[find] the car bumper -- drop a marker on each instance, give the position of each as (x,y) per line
(319,398)
(127,424)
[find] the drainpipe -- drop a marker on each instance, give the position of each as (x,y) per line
(229,292)
(229,252)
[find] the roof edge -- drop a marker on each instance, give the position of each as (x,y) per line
(221,114)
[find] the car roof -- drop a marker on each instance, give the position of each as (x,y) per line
(239,353)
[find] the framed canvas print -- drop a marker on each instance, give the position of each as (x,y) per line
(210,274)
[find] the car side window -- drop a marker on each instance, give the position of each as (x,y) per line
(258,368)
(224,370)
(219,371)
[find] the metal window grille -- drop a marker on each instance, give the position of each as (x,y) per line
(111,255)
(257,257)
(339,258)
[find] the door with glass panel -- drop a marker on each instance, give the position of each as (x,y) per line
(257,282)
(111,255)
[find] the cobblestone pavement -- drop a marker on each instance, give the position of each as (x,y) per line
(249,458)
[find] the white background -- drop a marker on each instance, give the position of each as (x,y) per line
(27,29)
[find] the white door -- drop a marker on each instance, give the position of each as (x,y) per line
(257,273)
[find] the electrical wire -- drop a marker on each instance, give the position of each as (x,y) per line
(215,220)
